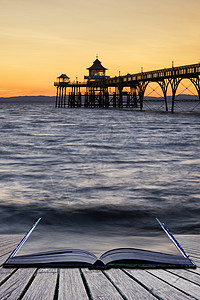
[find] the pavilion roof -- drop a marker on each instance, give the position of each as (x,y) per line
(64,76)
(96,65)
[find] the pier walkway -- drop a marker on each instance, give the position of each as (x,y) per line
(77,284)
(126,91)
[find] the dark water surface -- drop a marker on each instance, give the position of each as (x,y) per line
(97,176)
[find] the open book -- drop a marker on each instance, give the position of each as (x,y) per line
(121,257)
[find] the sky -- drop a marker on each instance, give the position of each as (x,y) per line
(41,39)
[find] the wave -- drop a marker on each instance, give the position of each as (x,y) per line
(109,218)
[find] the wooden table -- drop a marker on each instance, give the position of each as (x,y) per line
(53,283)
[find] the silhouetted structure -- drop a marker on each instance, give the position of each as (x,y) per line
(97,84)
(96,71)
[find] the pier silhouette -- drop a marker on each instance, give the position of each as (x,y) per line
(95,91)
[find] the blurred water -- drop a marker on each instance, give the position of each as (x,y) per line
(93,172)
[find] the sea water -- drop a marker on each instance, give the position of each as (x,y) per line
(97,177)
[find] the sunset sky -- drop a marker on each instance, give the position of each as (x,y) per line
(41,39)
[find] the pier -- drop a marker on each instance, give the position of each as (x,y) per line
(112,284)
(101,91)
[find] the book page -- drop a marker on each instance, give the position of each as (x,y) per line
(96,240)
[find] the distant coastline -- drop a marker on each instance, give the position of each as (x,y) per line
(28,99)
(51,99)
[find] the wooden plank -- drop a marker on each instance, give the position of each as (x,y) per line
(99,286)
(188,237)
(192,256)
(4,257)
(193,250)
(5,273)
(10,237)
(4,242)
(7,249)
(189,241)
(186,275)
(71,285)
(43,286)
(128,287)
(195,253)
(159,288)
(197,271)
(9,243)
(182,284)
(15,285)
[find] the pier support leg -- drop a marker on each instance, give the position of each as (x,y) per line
(174,85)
(196,82)
(128,102)
(120,102)
(173,101)
(114,99)
(135,102)
(165,97)
(73,100)
(59,97)
(69,99)
(56,104)
(79,100)
(86,100)
(64,96)
(92,99)
(133,96)
(141,99)
(103,100)
(100,100)
(164,85)
(141,90)
(106,100)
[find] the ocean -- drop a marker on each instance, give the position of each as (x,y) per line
(97,177)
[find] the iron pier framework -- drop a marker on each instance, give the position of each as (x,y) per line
(101,91)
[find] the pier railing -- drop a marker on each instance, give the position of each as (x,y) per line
(158,74)
(165,73)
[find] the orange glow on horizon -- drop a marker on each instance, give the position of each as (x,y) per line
(42,39)
(27,92)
